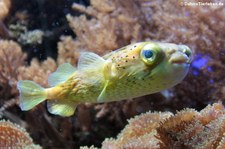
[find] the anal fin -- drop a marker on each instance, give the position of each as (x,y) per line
(61,107)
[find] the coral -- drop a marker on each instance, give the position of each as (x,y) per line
(11,58)
(4,8)
(110,27)
(85,147)
(13,68)
(68,50)
(13,135)
(20,32)
(31,37)
(37,71)
(195,22)
(186,129)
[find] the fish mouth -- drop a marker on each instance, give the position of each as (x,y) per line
(179,58)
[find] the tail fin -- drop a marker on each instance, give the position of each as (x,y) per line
(31,94)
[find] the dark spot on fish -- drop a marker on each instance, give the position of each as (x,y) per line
(124,68)
(126,55)
(133,57)
(126,61)
(135,46)
(118,65)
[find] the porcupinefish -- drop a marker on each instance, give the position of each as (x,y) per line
(132,71)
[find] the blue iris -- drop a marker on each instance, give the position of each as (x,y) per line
(148,53)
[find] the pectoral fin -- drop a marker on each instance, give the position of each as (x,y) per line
(102,94)
(99,69)
(61,107)
(108,77)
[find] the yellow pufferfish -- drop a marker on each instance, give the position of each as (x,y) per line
(132,71)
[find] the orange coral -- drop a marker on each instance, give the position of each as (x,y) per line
(110,27)
(11,57)
(12,135)
(37,71)
(68,50)
(142,124)
(186,129)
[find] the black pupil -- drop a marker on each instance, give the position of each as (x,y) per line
(148,53)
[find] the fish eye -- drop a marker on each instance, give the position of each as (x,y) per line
(151,54)
(148,55)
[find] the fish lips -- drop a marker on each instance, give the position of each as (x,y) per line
(179,58)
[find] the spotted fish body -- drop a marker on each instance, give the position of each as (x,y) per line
(132,71)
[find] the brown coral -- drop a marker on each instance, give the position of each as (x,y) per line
(186,129)
(12,135)
(11,58)
(37,71)
(110,27)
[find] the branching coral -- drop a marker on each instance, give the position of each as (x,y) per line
(11,57)
(14,136)
(13,68)
(37,71)
(186,129)
(68,50)
(110,27)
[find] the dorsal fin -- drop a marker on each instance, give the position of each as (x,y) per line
(63,72)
